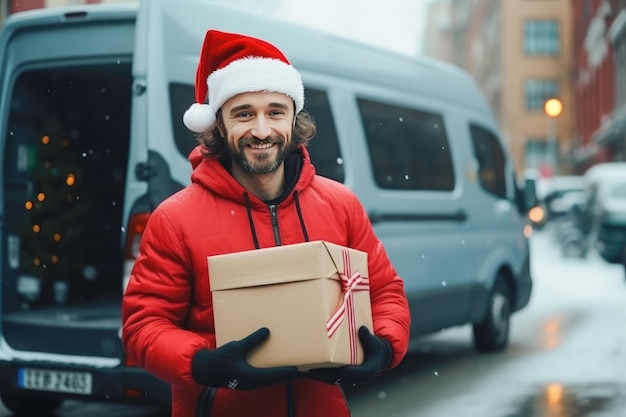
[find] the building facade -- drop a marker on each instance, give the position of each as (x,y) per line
(519,51)
(599,79)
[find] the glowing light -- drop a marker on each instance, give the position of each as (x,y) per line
(45,140)
(37,261)
(553,107)
(70,179)
(536,214)
(554,393)
(41,196)
(57,237)
(528,231)
(54,259)
(36,228)
(552,333)
(28,205)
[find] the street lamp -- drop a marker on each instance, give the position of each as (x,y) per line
(553,108)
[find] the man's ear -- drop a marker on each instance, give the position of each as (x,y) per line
(295,117)
(219,124)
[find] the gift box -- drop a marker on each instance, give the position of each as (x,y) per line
(313,297)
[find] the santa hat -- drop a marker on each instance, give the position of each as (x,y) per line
(232,64)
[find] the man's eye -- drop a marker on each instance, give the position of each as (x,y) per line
(277,113)
(244,114)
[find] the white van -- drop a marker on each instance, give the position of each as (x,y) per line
(92,140)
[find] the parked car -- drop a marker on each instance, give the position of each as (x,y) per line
(599,220)
(611,237)
(555,195)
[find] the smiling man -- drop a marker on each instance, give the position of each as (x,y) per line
(257,128)
(253,186)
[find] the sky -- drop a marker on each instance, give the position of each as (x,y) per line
(394,24)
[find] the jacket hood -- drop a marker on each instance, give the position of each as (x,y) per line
(195,156)
(211,174)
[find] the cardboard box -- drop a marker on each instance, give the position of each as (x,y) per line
(293,290)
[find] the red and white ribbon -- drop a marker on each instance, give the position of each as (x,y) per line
(350,282)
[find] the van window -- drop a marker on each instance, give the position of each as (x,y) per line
(324,148)
(490,156)
(64,174)
(408,148)
(181,97)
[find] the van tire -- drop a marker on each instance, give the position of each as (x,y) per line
(29,405)
(492,334)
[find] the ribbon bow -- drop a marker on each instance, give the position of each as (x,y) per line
(350,282)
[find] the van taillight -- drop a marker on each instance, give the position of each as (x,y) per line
(130,363)
(136,226)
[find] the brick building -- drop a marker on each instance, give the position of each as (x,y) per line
(599,78)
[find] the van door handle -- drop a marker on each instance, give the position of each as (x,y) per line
(458,217)
(143,171)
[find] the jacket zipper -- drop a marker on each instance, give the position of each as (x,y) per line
(291,412)
(274,213)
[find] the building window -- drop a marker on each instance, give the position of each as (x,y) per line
(541,154)
(541,37)
(538,91)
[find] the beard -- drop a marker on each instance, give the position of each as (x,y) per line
(264,163)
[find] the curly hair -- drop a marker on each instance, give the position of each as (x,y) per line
(215,145)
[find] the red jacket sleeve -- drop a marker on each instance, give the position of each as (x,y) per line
(390,309)
(156,303)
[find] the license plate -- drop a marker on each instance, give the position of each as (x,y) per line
(56,381)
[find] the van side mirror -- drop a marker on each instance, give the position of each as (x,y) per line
(530,194)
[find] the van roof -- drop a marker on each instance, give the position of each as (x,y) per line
(311,48)
(69,14)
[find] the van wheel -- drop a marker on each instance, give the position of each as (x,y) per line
(29,405)
(492,334)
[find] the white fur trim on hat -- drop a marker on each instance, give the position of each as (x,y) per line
(245,75)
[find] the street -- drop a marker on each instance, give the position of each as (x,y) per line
(567,356)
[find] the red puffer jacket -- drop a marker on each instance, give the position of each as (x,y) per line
(167,309)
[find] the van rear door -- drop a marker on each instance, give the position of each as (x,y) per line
(65,77)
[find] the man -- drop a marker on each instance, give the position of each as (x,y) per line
(253,186)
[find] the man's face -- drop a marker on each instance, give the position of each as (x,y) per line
(258,130)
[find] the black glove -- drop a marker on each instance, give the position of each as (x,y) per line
(227,366)
(378,354)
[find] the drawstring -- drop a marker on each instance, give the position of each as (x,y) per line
(205,401)
(251,221)
(302,225)
(249,210)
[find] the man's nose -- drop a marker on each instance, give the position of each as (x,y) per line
(261,128)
